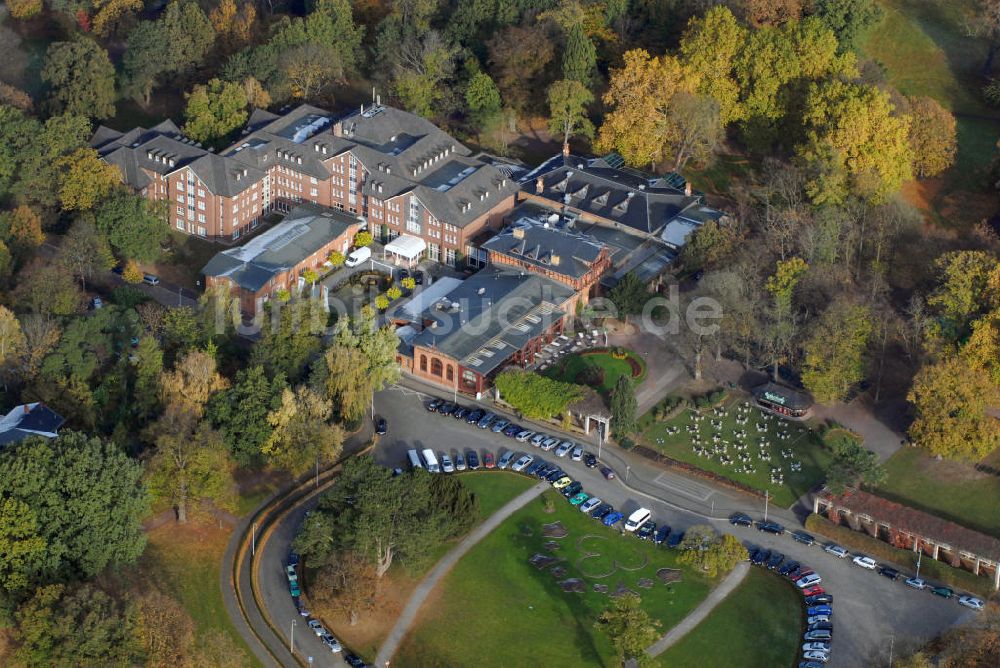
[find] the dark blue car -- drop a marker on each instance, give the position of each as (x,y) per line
(600,511)
(675,539)
(661,534)
(512,430)
(472,459)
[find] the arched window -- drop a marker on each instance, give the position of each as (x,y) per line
(451,373)
(436,366)
(423,363)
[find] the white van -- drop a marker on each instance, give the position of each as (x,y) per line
(637,519)
(415,462)
(431,461)
(358,256)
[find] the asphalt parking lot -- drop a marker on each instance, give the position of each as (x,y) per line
(870,611)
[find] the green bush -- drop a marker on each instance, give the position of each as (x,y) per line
(536,396)
(128,297)
(626,443)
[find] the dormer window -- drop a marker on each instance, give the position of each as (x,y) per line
(561,186)
(582,192)
(602,199)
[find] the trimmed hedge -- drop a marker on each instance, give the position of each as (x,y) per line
(535,396)
(878,549)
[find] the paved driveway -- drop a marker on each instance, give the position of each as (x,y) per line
(870,610)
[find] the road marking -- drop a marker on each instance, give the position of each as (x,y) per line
(688,488)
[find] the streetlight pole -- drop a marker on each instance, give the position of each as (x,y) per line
(253,540)
(317,471)
(919,555)
(627,470)
(291,639)
(767,495)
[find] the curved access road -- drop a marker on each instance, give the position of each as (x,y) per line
(431,580)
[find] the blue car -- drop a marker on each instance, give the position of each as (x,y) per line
(485,421)
(511,430)
(661,534)
(612,518)
(601,511)
(819,610)
(499,425)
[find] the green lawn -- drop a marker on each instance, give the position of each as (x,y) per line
(589,369)
(757,626)
(947,489)
(674,439)
(496,609)
(494,489)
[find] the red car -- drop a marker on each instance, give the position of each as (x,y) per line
(813,591)
(488,460)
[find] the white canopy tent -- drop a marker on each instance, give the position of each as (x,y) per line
(405,249)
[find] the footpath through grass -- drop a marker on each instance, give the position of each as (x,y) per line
(493,489)
(951,490)
(497,609)
(757,626)
(715,441)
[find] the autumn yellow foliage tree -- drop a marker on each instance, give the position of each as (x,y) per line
(110,12)
(708,49)
(24,9)
(84,179)
(640,94)
(234,25)
(132,273)
(933,136)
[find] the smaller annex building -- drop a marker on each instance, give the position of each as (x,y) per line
(911,529)
(274,260)
(26,420)
(783,400)
(497,317)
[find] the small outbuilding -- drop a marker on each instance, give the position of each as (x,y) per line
(783,400)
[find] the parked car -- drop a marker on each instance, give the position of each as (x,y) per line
(555,473)
(475,415)
(802,537)
(512,430)
(943,592)
(522,462)
(823,609)
(538,439)
(317,627)
(562,482)
(916,583)
(573,488)
(290,573)
(590,461)
(532,467)
(524,435)
(821,599)
(638,517)
(661,534)
(293,588)
(473,460)
(488,461)
(543,470)
(300,607)
(818,635)
(564,448)
(432,405)
(971,602)
(770,527)
(381,426)
(822,657)
(96,303)
(499,425)
(549,443)
(577,454)
(813,591)
(578,498)
(354,661)
(446,464)
(459,462)
(740,519)
(820,626)
(293,559)
(816,647)
(589,505)
(460,413)
(150,279)
(612,518)
(504,460)
(836,550)
(418,278)
(602,510)
(332,643)
(864,562)
(789,567)
(775,561)
(675,539)
(447,408)
(757,556)
(889,572)
(810,664)
(607,473)
(646,531)
(485,421)
(808,581)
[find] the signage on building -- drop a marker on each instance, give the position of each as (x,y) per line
(776,398)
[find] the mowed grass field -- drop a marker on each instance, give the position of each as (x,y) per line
(806,446)
(757,626)
(951,490)
(497,609)
(570,369)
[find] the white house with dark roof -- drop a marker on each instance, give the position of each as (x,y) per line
(26,420)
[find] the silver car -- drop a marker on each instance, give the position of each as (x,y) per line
(446,464)
(504,460)
(522,462)
(549,443)
(577,454)
(538,439)
(563,448)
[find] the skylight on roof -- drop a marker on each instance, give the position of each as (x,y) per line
(305,128)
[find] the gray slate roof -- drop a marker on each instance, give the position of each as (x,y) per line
(557,250)
(26,420)
(499,311)
(304,231)
(626,196)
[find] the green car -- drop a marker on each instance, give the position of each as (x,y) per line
(578,498)
(943,592)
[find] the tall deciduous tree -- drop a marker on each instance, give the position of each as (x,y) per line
(20,545)
(84,532)
(836,351)
(46,289)
(852,134)
(933,136)
(302,435)
(84,179)
(624,408)
(848,19)
(80,78)
(968,281)
(699,129)
(424,66)
(21,229)
(482,96)
(349,584)
(951,400)
(134,226)
(12,343)
(192,382)
(568,100)
(518,57)
(852,464)
(708,49)
(241,413)
(84,252)
(290,338)
(630,628)
(214,110)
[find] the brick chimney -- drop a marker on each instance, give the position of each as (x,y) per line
(554,259)
(518,232)
(539,185)
(338,129)
(687,187)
